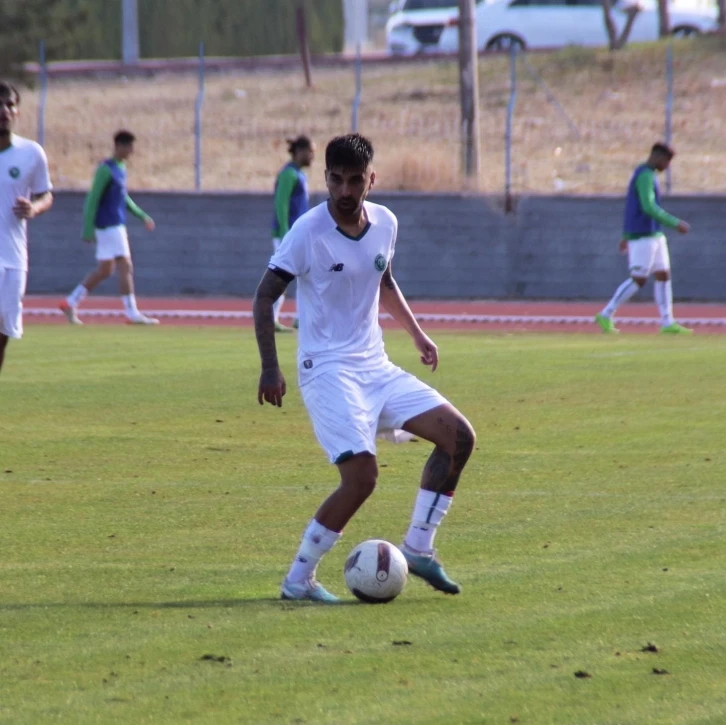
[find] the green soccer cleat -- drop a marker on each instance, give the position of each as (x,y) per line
(606,324)
(282,328)
(428,568)
(310,590)
(676,329)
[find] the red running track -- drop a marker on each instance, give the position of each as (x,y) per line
(490,315)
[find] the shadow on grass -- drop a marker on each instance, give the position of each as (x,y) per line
(282,604)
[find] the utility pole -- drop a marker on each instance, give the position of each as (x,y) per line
(301,22)
(130,32)
(469,90)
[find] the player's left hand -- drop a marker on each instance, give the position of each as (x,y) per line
(23,208)
(429,352)
(623,246)
(150,224)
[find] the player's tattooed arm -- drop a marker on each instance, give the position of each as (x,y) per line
(272,386)
(271,286)
(393,301)
(387,281)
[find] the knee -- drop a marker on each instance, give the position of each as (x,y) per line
(363,478)
(105,269)
(465,441)
(640,281)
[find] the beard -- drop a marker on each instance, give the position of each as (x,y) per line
(347,207)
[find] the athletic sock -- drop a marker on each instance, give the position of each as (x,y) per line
(663,293)
(130,305)
(77,296)
(428,512)
(316,541)
(623,293)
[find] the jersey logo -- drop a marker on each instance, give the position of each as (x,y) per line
(307,364)
(336,267)
(380,262)
(14,172)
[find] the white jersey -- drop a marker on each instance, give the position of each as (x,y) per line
(23,172)
(339,280)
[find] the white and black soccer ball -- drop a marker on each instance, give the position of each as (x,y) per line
(376,571)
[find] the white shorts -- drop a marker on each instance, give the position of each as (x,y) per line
(648,255)
(112,242)
(348,409)
(12,290)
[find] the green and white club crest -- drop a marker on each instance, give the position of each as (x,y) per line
(14,172)
(380,262)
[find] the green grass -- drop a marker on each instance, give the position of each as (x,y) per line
(150,507)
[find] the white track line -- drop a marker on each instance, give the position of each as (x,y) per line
(423,316)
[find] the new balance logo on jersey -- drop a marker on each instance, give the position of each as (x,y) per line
(336,267)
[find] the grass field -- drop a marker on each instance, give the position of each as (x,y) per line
(150,509)
(411,111)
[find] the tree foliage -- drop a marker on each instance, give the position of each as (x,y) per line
(91,29)
(23,23)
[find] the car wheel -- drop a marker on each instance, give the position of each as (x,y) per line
(505,41)
(685,31)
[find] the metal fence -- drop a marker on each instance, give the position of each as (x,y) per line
(572,122)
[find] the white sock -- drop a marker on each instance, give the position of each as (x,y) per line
(428,513)
(623,293)
(77,296)
(316,541)
(130,305)
(663,293)
(277,307)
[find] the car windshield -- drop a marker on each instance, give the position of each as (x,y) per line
(428,4)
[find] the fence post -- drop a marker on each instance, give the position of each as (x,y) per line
(198,123)
(358,86)
(669,110)
(508,202)
(43,92)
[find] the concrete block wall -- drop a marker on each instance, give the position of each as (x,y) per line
(449,246)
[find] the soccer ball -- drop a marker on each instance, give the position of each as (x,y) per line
(376,571)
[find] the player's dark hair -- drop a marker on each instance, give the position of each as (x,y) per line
(124,138)
(8,89)
(349,152)
(663,149)
(301,143)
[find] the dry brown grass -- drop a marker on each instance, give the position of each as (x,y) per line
(411,113)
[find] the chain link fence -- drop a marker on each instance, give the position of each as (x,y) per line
(581,120)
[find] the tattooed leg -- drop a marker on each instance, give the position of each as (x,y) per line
(454,440)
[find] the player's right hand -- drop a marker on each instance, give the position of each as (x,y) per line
(683,227)
(272,387)
(623,246)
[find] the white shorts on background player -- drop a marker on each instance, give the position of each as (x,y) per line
(12,290)
(648,255)
(350,388)
(112,242)
(349,409)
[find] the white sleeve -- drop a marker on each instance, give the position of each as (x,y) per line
(394,233)
(293,254)
(40,177)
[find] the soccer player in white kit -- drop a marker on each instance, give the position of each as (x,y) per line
(25,192)
(341,253)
